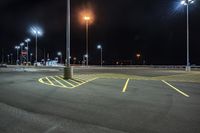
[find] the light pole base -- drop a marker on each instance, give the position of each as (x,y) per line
(188,68)
(68,73)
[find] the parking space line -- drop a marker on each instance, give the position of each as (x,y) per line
(75,79)
(49,81)
(91,80)
(83,78)
(79,79)
(179,91)
(58,81)
(125,86)
(41,81)
(78,83)
(86,82)
(65,81)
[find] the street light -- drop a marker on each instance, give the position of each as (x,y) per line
(187,3)
(100,47)
(87,19)
(31,55)
(27,41)
(11,59)
(21,45)
(17,48)
(37,32)
(74,60)
(84,59)
(138,55)
(8,58)
(60,54)
(86,56)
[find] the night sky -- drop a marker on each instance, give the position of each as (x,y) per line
(154,28)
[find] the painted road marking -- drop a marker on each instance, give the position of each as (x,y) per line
(58,81)
(49,80)
(179,91)
(87,81)
(78,79)
(125,86)
(83,78)
(74,81)
(65,81)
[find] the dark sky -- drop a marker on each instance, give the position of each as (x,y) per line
(154,28)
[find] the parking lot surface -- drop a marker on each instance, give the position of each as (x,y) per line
(101,101)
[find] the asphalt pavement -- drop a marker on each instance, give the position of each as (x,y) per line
(97,104)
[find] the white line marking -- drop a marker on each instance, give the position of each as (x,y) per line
(181,92)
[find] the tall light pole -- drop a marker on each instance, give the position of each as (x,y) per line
(100,47)
(11,59)
(138,58)
(68,70)
(31,55)
(21,45)
(60,54)
(27,42)
(37,32)
(87,19)
(17,48)
(187,3)
(68,37)
(85,58)
(8,58)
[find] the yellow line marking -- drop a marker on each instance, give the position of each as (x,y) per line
(82,77)
(41,81)
(181,92)
(79,79)
(49,81)
(85,77)
(125,86)
(86,82)
(58,81)
(65,81)
(74,81)
(91,79)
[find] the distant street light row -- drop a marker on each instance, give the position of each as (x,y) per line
(183,2)
(22,52)
(36,31)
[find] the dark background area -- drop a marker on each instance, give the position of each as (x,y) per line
(155,29)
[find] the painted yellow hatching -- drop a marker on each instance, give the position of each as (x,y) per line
(60,82)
